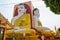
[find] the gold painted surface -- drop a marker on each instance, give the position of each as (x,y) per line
(23,21)
(39,23)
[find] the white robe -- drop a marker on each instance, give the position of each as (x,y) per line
(36,21)
(16,17)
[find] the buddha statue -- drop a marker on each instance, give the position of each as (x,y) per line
(36,14)
(22,19)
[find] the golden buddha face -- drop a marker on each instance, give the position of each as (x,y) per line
(21,9)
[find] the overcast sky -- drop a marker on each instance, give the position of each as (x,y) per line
(48,18)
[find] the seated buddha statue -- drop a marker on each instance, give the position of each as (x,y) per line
(36,14)
(22,19)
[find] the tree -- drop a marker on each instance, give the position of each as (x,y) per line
(58,32)
(54,5)
(58,29)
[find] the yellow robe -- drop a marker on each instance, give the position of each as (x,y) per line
(39,23)
(23,21)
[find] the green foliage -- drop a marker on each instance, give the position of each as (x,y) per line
(54,5)
(58,29)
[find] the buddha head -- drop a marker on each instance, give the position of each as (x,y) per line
(36,12)
(21,8)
